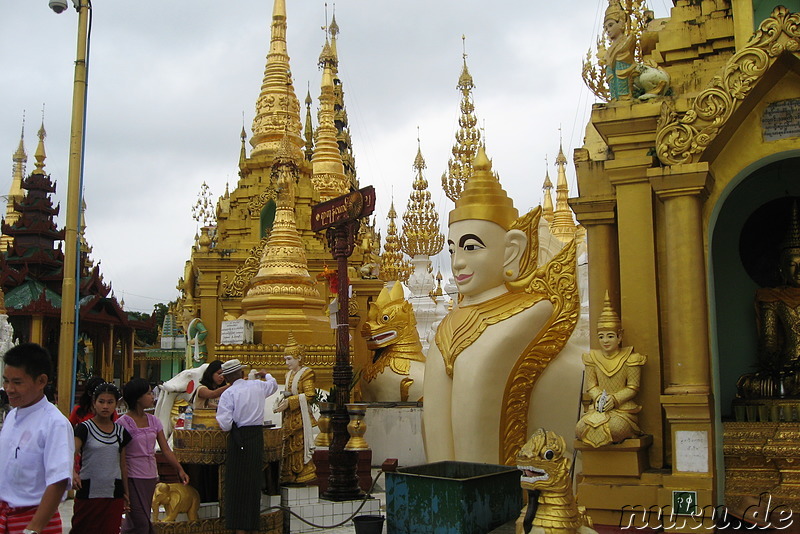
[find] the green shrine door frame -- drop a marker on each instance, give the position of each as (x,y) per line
(731,289)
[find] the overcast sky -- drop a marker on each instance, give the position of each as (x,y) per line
(171,82)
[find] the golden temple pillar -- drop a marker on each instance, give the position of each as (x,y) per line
(598,216)
(638,286)
(208,289)
(127,354)
(687,400)
(108,360)
(37,329)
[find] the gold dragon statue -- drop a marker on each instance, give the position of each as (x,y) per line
(551,507)
(397,369)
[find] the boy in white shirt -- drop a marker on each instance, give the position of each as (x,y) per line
(36,447)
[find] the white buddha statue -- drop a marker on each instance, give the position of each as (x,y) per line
(511,320)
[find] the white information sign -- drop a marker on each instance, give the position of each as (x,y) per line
(691,451)
(236,332)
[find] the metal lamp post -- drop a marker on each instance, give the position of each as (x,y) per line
(68,339)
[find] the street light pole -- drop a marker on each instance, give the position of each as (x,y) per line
(68,338)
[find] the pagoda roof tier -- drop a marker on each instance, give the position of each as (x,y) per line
(42,229)
(38,204)
(40,182)
(33,297)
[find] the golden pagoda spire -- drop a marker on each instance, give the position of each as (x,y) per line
(393,266)
(277,107)
(308,131)
(15,192)
(243,154)
(328,170)
(468,137)
(547,187)
(86,249)
(339,111)
(40,154)
(422,235)
(562,225)
(282,296)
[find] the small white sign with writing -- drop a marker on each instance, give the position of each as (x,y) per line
(691,451)
(781,119)
(236,332)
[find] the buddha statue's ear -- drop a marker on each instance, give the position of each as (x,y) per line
(516,243)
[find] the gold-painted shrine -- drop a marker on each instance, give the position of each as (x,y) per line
(670,191)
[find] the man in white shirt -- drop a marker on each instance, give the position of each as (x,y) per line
(241,412)
(36,447)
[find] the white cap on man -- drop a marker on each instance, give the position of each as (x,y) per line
(231,366)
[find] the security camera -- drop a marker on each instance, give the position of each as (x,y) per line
(58,5)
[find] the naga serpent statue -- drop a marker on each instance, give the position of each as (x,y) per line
(546,477)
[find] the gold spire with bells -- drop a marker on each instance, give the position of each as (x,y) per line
(277,107)
(594,73)
(547,202)
(328,171)
(203,213)
(308,130)
(15,192)
(468,138)
(562,225)
(393,266)
(339,111)
(40,154)
(282,296)
(422,235)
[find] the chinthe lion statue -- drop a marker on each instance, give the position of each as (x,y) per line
(546,477)
(176,499)
(397,369)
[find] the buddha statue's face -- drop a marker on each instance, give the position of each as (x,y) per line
(790,267)
(609,340)
(292,363)
(477,255)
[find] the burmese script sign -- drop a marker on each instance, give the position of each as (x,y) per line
(781,120)
(342,209)
(691,451)
(236,332)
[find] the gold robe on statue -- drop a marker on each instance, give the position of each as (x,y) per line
(296,468)
(619,376)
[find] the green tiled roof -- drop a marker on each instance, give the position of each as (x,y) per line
(29,292)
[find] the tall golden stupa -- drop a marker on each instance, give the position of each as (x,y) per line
(259,259)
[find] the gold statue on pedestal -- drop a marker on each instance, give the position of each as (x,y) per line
(297,466)
(613,377)
(778,322)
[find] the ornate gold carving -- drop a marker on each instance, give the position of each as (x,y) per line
(421,232)
(245,273)
(468,139)
(271,523)
(257,202)
(684,138)
(209,446)
(557,282)
(393,266)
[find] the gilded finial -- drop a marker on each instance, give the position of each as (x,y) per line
(483,197)
(609,319)
(421,232)
(468,136)
(393,266)
(40,154)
